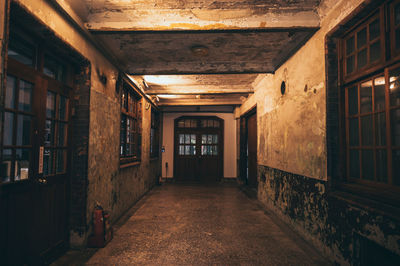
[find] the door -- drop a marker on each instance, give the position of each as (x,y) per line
(198,149)
(33,184)
(252,150)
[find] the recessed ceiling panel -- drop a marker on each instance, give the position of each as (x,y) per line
(186,52)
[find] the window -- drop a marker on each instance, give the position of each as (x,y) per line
(154,134)
(372,101)
(131,125)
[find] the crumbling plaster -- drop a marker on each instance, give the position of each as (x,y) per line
(292,127)
(116,189)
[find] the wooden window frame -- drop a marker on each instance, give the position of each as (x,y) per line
(372,189)
(352,32)
(131,127)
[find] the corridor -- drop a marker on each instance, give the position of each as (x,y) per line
(203,225)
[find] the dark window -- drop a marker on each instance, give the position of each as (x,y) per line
(372,101)
(363,46)
(154,134)
(131,125)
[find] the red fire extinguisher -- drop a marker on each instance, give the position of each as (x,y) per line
(102,231)
(98,222)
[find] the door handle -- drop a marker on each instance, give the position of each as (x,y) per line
(42,181)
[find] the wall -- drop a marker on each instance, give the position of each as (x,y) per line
(229,138)
(114,188)
(292,153)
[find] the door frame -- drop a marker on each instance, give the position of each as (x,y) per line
(243,157)
(199,130)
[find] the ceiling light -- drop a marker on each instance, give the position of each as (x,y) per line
(166,80)
(166,96)
(199,50)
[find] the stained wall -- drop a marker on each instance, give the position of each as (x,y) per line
(292,153)
(115,188)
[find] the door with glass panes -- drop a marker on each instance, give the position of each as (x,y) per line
(198,149)
(33,184)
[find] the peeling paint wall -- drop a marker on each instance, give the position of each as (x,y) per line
(292,153)
(114,188)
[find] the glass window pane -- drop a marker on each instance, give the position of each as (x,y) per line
(22,163)
(181,138)
(61,161)
(379,93)
(350,62)
(193,150)
(63,107)
(350,45)
(49,133)
(374,29)
(397,37)
(395,126)
(10,92)
(395,167)
(193,123)
(397,14)
(181,150)
(380,129)
(193,139)
(203,150)
(216,123)
(203,123)
(8,128)
(353,100)
(24,130)
(367,158)
(366,97)
(362,58)
(187,139)
(361,38)
(181,123)
(48,161)
(54,68)
(215,150)
(209,139)
(381,166)
(6,166)
(203,139)
(215,139)
(25,96)
(353,132)
(50,104)
(187,150)
(62,134)
(366,130)
(394,88)
(21,51)
(354,164)
(375,52)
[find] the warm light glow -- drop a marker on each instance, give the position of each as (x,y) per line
(166,96)
(166,80)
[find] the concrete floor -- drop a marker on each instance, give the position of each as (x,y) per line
(178,224)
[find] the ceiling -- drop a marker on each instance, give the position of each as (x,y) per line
(219,46)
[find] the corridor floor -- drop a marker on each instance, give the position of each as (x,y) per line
(178,224)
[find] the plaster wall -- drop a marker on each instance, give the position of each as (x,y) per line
(229,142)
(292,127)
(114,188)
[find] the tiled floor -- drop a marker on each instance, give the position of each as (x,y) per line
(178,224)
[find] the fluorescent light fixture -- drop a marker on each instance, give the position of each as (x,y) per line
(167,96)
(166,79)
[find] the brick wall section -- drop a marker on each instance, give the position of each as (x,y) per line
(80,144)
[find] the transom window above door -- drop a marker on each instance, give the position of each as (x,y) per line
(198,123)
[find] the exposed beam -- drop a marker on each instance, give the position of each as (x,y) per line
(224,89)
(202,93)
(174,19)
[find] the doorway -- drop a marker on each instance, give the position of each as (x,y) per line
(198,152)
(248,148)
(34,170)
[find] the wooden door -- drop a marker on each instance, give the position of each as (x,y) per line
(33,188)
(252,150)
(198,149)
